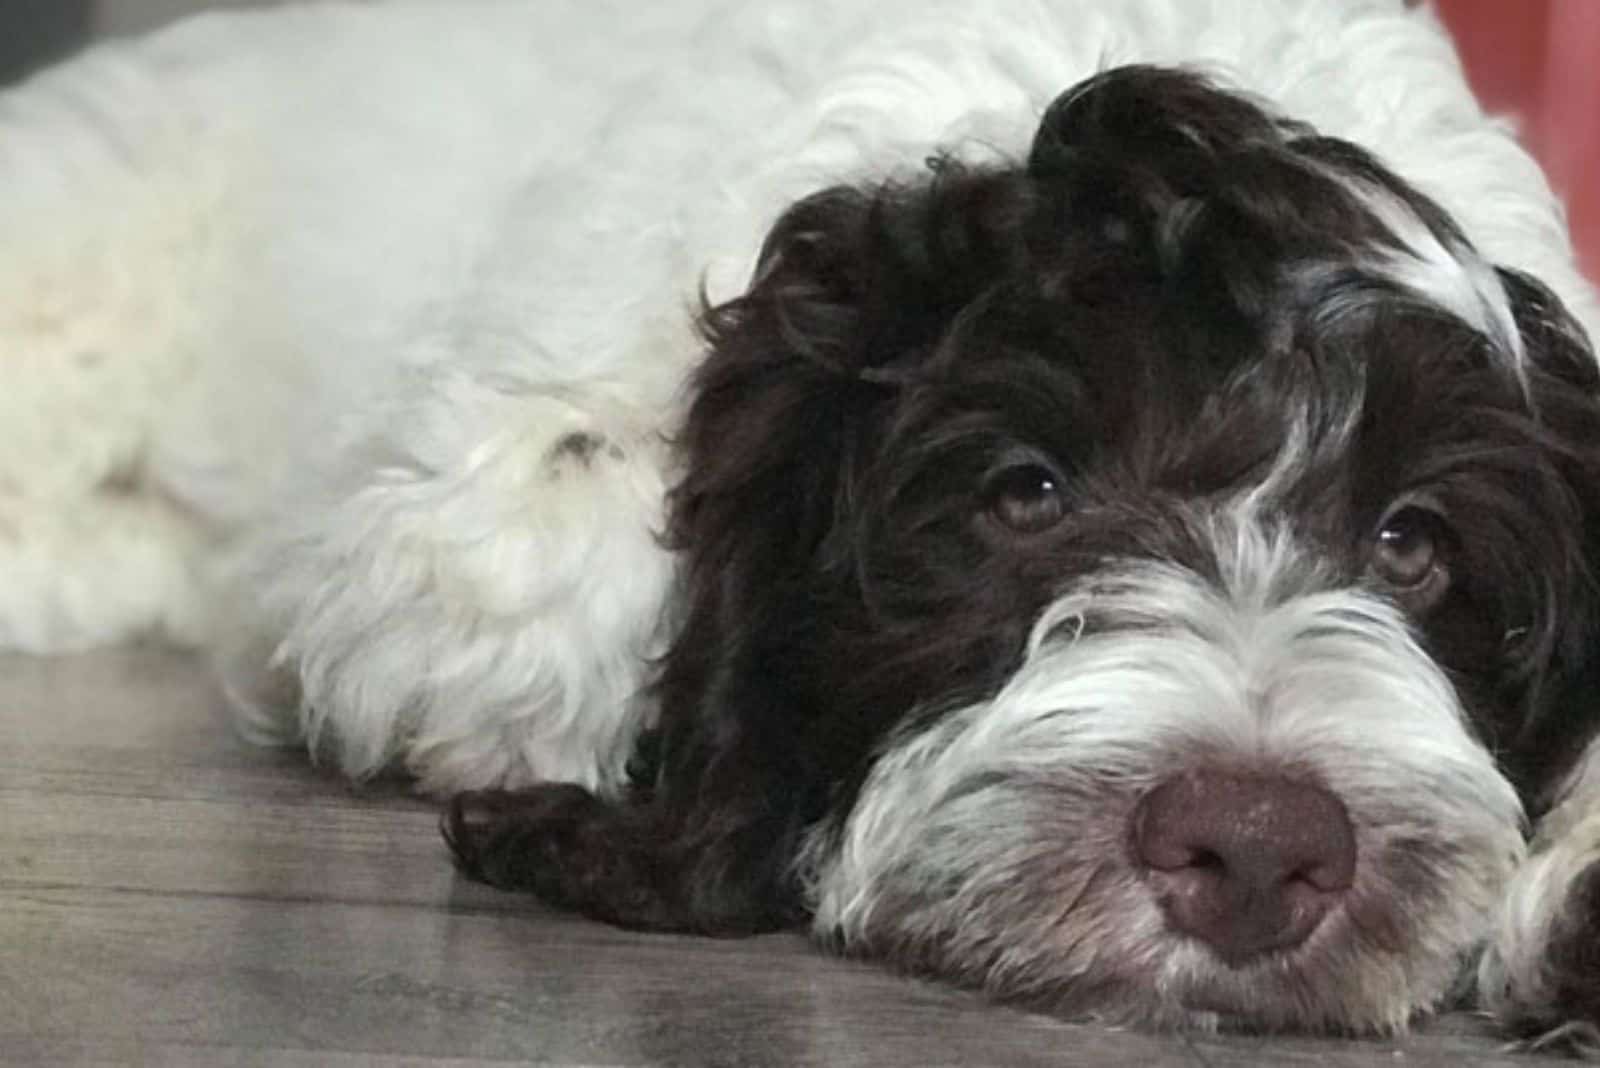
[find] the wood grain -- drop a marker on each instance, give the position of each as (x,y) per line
(171,896)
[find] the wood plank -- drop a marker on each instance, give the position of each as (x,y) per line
(362,979)
(169,895)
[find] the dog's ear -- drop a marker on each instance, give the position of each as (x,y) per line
(1556,656)
(1539,972)
(853,289)
(785,409)
(773,400)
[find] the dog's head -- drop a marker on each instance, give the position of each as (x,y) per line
(1165,566)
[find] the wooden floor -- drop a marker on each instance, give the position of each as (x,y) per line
(170,896)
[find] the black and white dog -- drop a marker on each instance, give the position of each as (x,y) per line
(1141,561)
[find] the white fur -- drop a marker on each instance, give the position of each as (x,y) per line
(225,244)
(468,596)
(1447,277)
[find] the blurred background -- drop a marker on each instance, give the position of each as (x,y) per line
(1540,60)
(33,32)
(1536,59)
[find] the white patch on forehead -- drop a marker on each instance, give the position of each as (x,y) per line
(1294,462)
(1288,466)
(1444,272)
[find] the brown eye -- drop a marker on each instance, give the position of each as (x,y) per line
(1408,552)
(1028,498)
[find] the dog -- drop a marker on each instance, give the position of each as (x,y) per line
(1095,502)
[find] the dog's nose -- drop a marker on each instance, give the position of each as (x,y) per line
(1245,863)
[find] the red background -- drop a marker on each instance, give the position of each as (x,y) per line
(1540,60)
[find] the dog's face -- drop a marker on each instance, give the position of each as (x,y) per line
(1159,573)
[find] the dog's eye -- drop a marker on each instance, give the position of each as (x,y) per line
(1026,497)
(1408,552)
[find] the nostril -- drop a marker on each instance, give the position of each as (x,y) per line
(1324,878)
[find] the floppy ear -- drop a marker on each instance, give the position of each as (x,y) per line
(773,402)
(853,291)
(736,761)
(1558,660)
(1541,972)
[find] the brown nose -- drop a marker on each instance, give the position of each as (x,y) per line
(1245,863)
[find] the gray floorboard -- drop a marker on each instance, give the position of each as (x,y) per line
(172,896)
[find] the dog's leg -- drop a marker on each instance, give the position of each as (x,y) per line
(724,791)
(634,865)
(475,596)
(615,862)
(1541,973)
(707,849)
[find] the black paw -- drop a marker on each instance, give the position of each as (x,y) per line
(521,840)
(629,863)
(570,849)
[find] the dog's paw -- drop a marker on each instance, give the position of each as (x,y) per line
(520,840)
(565,846)
(1541,975)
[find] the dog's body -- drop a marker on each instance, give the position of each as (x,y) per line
(1142,563)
